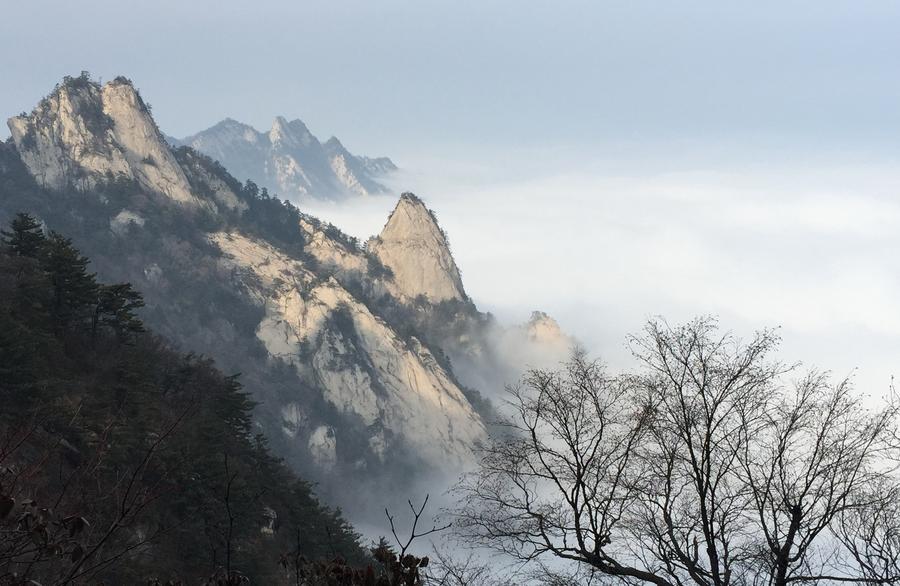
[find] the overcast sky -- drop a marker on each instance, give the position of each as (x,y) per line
(605,161)
(399,75)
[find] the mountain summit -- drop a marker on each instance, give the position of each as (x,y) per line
(82,134)
(290,160)
(415,249)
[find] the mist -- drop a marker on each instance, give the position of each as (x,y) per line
(809,248)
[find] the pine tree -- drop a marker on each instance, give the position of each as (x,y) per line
(75,291)
(25,237)
(251,190)
(17,359)
(116,306)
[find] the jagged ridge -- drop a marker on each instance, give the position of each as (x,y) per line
(290,160)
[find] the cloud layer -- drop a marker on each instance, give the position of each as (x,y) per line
(811,249)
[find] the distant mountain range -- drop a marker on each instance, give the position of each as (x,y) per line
(290,161)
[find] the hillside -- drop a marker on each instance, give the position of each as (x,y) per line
(123,460)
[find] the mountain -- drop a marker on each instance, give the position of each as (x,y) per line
(348,350)
(394,386)
(290,160)
(82,135)
(143,459)
(415,249)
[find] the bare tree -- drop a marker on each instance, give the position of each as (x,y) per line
(447,569)
(708,467)
(403,568)
(565,476)
(703,390)
(811,462)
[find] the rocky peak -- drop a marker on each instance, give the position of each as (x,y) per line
(415,249)
(333,145)
(293,134)
(82,134)
(543,329)
(231,129)
(361,364)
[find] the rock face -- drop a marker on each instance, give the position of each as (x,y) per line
(395,386)
(290,160)
(416,251)
(544,331)
(357,174)
(82,135)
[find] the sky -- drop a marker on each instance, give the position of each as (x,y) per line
(603,161)
(395,76)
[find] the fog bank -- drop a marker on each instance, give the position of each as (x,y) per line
(811,249)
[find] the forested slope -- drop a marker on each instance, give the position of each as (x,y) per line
(121,459)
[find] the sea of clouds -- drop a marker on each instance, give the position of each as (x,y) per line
(812,249)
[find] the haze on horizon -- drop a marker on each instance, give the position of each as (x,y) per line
(602,161)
